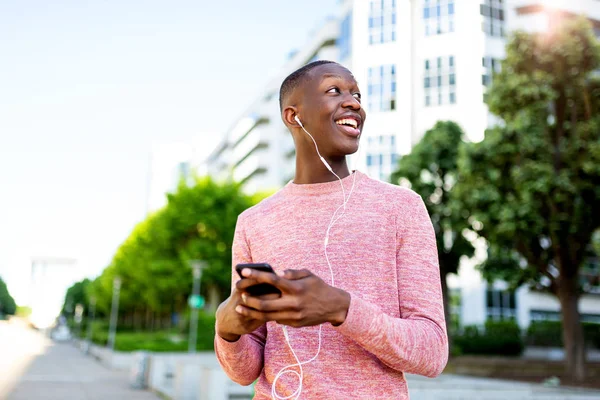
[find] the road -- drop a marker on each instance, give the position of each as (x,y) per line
(32,367)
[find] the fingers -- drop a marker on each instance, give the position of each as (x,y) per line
(295,274)
(293,317)
(253,277)
(270,296)
(244,284)
(269,305)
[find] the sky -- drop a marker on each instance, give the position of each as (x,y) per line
(86,88)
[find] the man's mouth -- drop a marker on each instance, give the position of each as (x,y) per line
(348,122)
(349,125)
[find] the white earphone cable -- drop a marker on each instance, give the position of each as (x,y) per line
(334,219)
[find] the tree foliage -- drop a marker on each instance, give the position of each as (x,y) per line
(533,184)
(431,170)
(7,303)
(197,223)
(77,294)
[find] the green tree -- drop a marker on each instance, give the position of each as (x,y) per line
(76,294)
(430,170)
(7,303)
(153,263)
(533,184)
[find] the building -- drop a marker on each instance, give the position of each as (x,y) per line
(417,62)
(175,161)
(421,61)
(49,280)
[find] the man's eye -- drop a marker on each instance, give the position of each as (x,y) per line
(358,96)
(333,90)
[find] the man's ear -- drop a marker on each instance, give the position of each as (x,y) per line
(288,115)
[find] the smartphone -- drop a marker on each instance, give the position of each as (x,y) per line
(261,288)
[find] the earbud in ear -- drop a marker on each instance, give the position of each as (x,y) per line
(298,120)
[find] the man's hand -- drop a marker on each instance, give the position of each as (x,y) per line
(231,324)
(305,300)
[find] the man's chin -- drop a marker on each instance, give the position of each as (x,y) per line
(349,149)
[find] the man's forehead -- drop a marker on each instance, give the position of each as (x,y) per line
(322,72)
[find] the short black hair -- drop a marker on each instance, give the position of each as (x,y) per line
(295,78)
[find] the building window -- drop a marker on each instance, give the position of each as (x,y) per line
(439,83)
(382,88)
(501,305)
(382,21)
(493,17)
(344,42)
(491,66)
(438,16)
(382,158)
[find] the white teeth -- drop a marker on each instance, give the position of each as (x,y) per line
(347,121)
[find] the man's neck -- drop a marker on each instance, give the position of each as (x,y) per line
(314,171)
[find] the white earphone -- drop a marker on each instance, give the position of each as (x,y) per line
(289,369)
(313,139)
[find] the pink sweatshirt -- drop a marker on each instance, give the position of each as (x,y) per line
(382,252)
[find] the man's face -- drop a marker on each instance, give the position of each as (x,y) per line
(331,110)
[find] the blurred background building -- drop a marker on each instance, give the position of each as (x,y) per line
(417,62)
(257,149)
(170,163)
(50,278)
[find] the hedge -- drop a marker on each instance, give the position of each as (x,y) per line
(549,334)
(163,340)
(497,338)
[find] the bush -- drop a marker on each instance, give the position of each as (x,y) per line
(498,338)
(549,334)
(159,341)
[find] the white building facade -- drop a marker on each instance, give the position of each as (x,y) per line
(417,62)
(172,162)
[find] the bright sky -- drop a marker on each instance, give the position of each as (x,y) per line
(87,86)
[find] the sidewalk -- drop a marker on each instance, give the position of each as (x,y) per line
(62,372)
(457,387)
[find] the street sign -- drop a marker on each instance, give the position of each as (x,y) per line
(196,301)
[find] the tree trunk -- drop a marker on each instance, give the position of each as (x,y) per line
(137,320)
(148,318)
(574,344)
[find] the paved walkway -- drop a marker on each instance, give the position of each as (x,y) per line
(58,371)
(34,368)
(456,387)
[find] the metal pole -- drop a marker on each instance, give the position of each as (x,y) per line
(197,271)
(114,313)
(91,318)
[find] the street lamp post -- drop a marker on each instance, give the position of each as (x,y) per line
(114,312)
(196,304)
(78,319)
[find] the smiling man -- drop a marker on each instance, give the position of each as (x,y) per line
(362,294)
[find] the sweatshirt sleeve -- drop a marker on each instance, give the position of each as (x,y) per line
(416,342)
(242,360)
